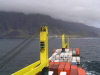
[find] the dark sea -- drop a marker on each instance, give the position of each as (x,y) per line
(16,54)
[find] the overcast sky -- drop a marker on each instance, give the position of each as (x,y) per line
(83,11)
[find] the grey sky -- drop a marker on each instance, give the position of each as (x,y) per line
(83,11)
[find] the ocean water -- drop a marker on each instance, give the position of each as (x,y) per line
(13,58)
(90,54)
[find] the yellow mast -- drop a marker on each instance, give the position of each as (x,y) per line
(64,43)
(44,45)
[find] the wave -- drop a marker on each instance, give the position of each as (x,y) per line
(92,67)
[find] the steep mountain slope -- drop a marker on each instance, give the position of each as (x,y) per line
(19,25)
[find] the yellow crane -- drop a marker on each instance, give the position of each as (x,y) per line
(38,66)
(64,43)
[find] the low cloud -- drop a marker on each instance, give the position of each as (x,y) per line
(82,11)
